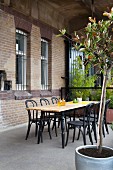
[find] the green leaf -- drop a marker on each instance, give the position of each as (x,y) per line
(63,31)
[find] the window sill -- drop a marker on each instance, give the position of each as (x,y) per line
(20,95)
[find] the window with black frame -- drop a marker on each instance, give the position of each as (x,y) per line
(21,59)
(44,64)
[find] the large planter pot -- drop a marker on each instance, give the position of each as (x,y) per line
(109,116)
(83,162)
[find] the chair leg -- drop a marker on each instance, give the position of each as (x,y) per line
(28,130)
(79,133)
(103,130)
(65,122)
(59,122)
(74,134)
(55,129)
(36,129)
(106,126)
(67,135)
(49,130)
(90,136)
(40,134)
(84,136)
(94,129)
(54,125)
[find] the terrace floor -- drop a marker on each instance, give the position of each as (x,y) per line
(16,153)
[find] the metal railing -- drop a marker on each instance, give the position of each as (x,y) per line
(88,93)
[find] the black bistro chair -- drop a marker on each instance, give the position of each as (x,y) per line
(94,119)
(54,100)
(33,117)
(44,120)
(56,118)
(82,125)
(52,116)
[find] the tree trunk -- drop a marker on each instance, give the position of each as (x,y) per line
(101,112)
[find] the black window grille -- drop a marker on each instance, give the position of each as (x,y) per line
(44,64)
(21,59)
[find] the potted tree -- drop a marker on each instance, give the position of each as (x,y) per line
(98,48)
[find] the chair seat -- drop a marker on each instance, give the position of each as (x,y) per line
(91,119)
(35,120)
(75,123)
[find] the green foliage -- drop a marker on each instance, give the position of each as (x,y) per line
(111,102)
(95,95)
(98,44)
(111,126)
(82,78)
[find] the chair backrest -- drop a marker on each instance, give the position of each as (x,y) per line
(32,114)
(54,100)
(89,110)
(97,107)
(30,103)
(96,110)
(44,101)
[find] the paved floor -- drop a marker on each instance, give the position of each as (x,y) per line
(18,154)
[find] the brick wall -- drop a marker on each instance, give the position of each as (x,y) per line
(35,58)
(12,112)
(7,46)
(58,62)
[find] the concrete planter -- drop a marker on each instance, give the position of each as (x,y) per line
(83,162)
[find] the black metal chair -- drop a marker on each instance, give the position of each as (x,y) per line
(94,119)
(54,100)
(32,116)
(57,117)
(45,120)
(83,125)
(52,116)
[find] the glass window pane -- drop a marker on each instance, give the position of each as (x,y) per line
(43,49)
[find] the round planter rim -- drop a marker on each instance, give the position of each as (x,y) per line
(92,146)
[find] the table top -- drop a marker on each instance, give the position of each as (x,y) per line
(56,108)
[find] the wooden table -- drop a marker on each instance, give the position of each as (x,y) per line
(69,106)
